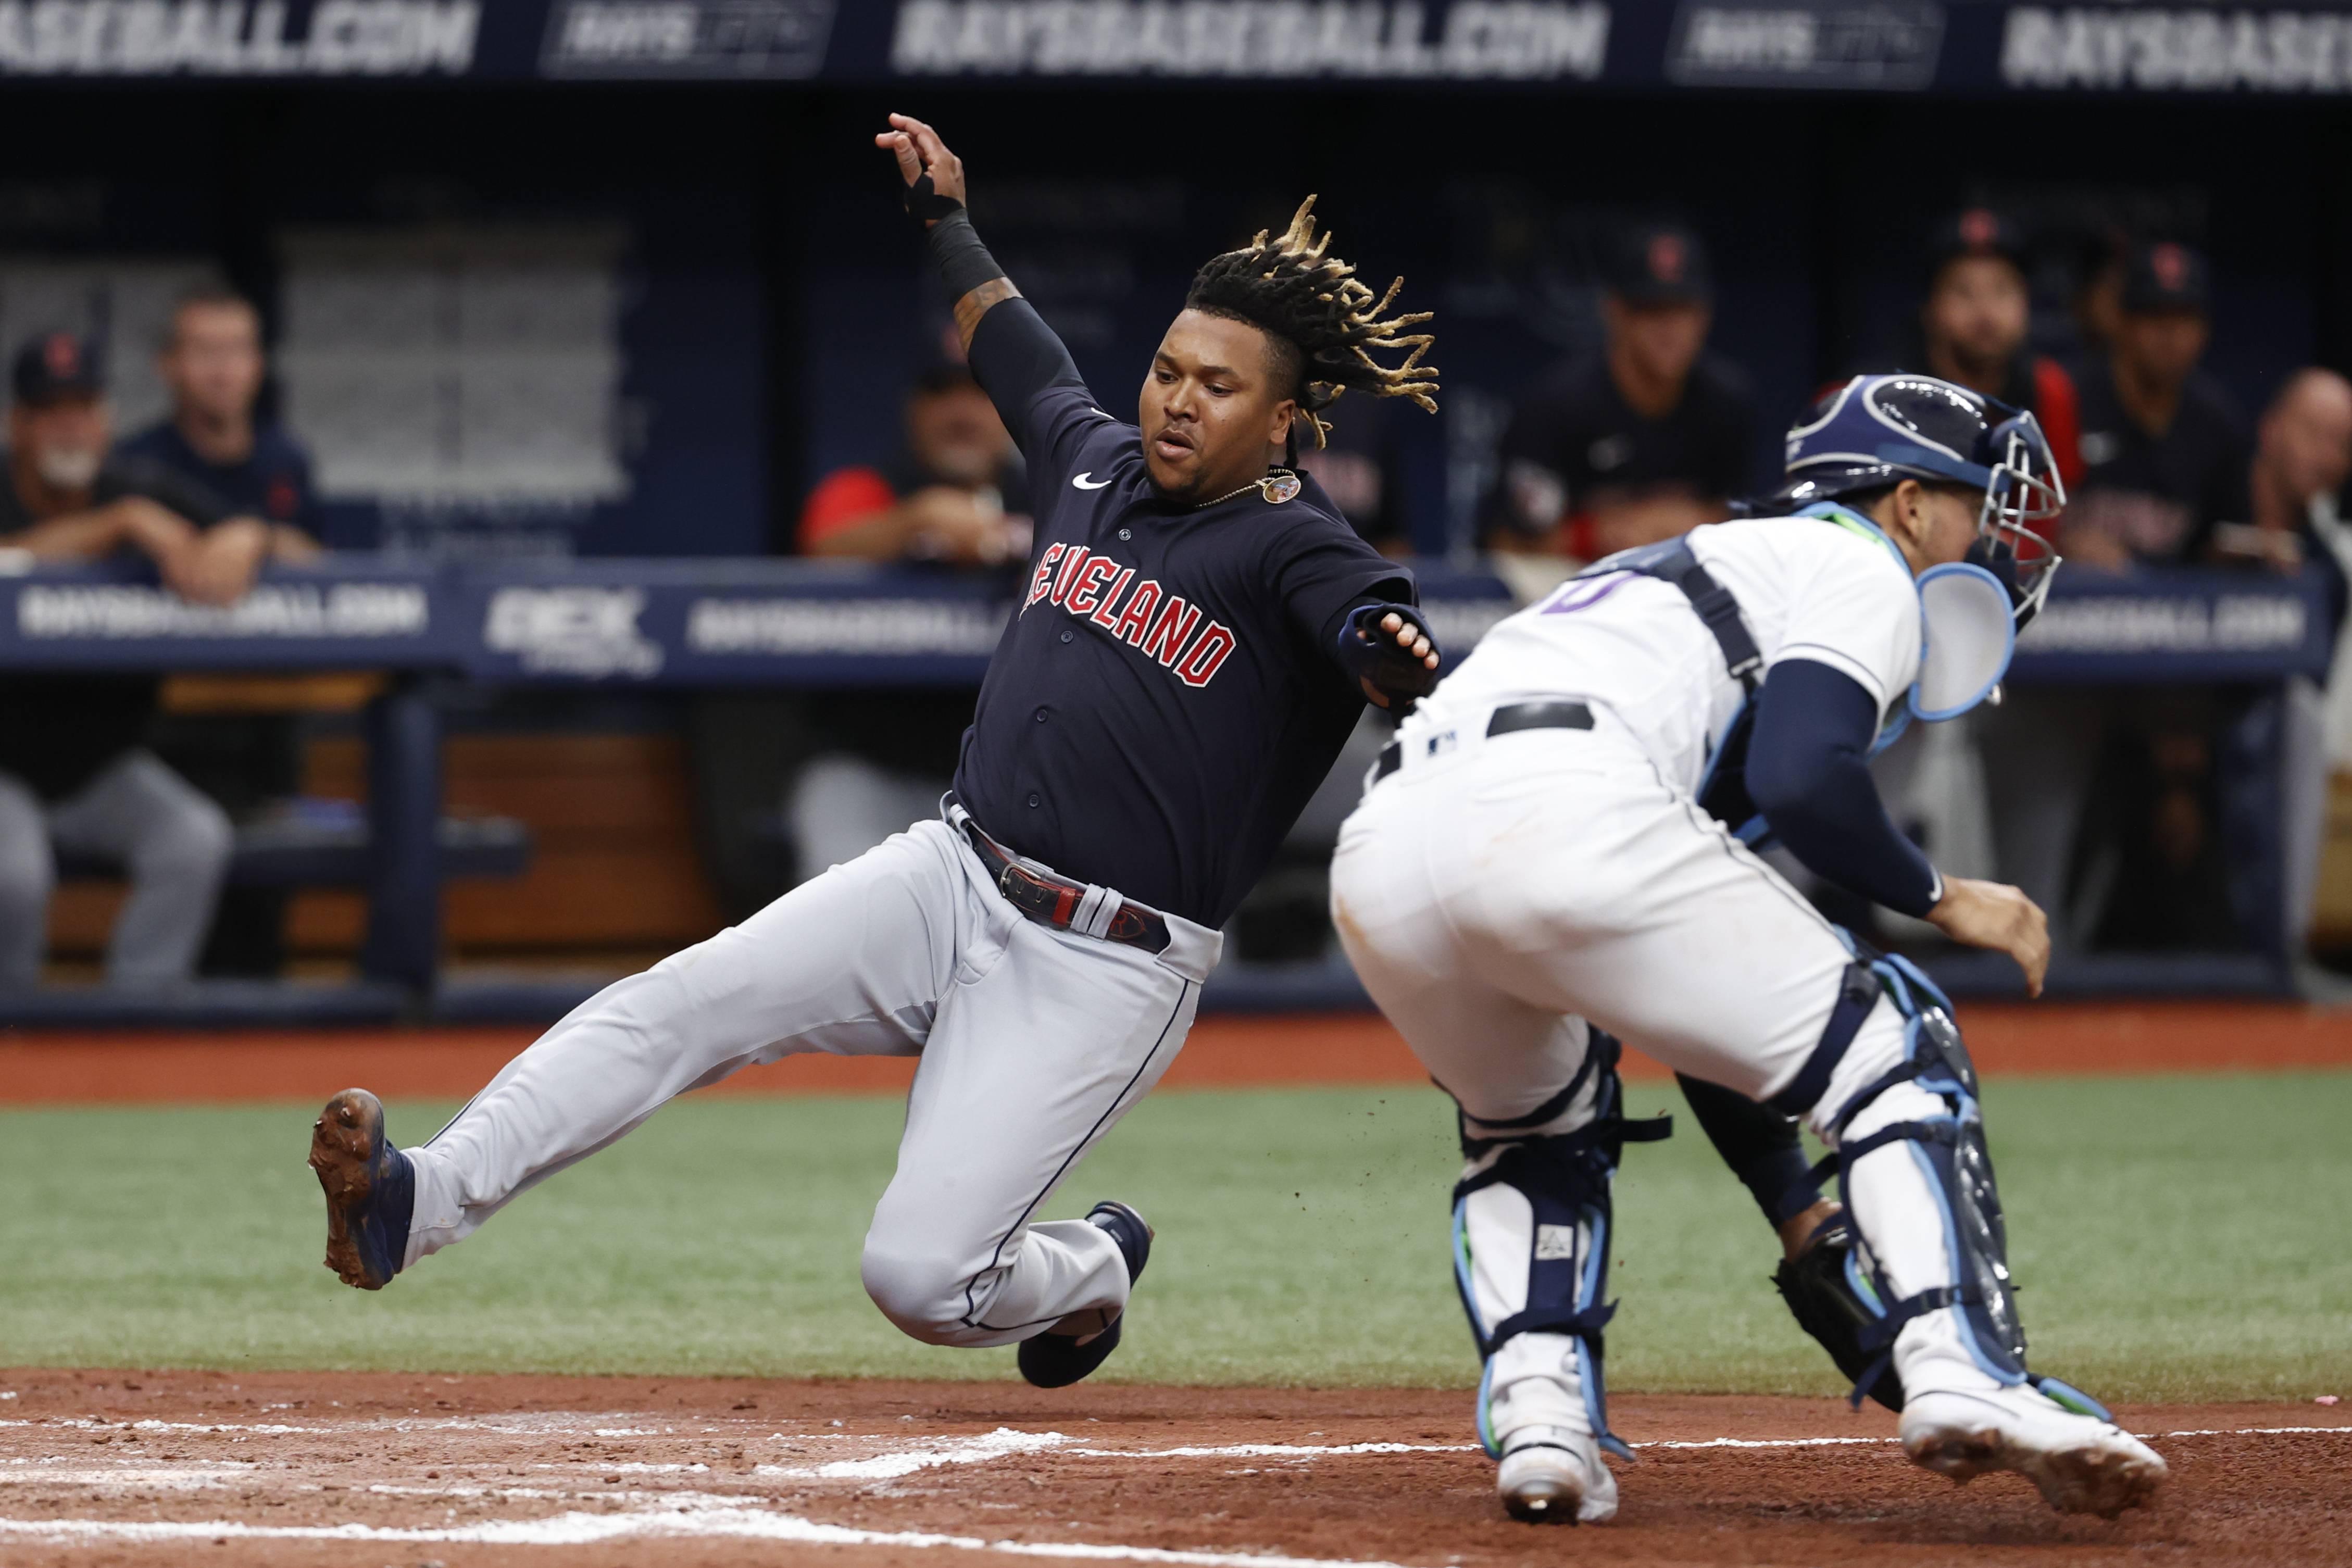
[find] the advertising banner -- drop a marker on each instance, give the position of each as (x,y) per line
(1859,45)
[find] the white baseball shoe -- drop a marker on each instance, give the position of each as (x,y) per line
(2082,1464)
(1552,1475)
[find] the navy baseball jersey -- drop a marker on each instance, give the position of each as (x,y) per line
(1160,707)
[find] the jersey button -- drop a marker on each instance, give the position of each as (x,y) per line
(1126,533)
(1066,636)
(1033,801)
(1041,716)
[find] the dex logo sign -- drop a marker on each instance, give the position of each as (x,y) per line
(591,632)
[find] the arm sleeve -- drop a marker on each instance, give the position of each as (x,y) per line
(1808,772)
(1015,357)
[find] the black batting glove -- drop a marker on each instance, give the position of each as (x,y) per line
(1395,665)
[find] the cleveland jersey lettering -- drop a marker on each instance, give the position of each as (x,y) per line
(1158,622)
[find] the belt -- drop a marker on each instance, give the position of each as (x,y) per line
(1057,902)
(1503,721)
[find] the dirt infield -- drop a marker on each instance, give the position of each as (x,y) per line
(170,1467)
(1340,1048)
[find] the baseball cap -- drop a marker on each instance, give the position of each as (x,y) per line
(2165,275)
(1976,231)
(58,365)
(1661,264)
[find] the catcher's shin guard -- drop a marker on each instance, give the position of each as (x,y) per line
(1949,1145)
(1543,1196)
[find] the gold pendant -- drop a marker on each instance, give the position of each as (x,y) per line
(1278,488)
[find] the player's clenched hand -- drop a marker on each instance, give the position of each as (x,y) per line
(1992,914)
(920,152)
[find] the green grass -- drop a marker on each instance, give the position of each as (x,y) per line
(2178,1237)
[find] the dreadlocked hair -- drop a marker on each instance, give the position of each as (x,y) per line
(1321,322)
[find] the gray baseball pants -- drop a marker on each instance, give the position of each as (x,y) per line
(1033,1043)
(167,835)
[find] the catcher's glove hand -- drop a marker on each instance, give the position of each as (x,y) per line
(1822,1295)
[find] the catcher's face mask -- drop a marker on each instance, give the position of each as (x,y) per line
(2023,489)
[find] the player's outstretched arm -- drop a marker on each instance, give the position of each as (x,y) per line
(935,194)
(1018,356)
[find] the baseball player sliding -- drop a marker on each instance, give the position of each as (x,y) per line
(1556,851)
(1200,632)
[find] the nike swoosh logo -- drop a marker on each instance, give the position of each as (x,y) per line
(1080,482)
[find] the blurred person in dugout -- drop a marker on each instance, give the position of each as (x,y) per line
(1973,323)
(213,365)
(1972,329)
(2303,457)
(955,494)
(1646,441)
(75,775)
(2104,804)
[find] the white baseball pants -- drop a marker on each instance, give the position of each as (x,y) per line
(1498,893)
(1033,1042)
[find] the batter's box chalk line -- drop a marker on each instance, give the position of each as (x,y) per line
(681,1515)
(688,1517)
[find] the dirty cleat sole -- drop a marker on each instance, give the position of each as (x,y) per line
(370,1187)
(2079,1463)
(1561,1482)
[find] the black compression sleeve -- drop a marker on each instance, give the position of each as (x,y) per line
(963,262)
(1809,773)
(1016,356)
(1758,1144)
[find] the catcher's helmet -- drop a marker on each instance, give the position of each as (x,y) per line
(1876,431)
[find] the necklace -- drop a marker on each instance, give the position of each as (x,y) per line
(1278,486)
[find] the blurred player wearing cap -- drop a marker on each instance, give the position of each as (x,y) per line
(73,773)
(1649,440)
(1973,326)
(2164,450)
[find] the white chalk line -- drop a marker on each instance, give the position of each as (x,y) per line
(691,1515)
(729,1518)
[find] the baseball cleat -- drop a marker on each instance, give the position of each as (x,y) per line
(1053,1359)
(1555,1476)
(2083,1464)
(371,1190)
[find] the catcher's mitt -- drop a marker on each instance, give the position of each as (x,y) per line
(1820,1293)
